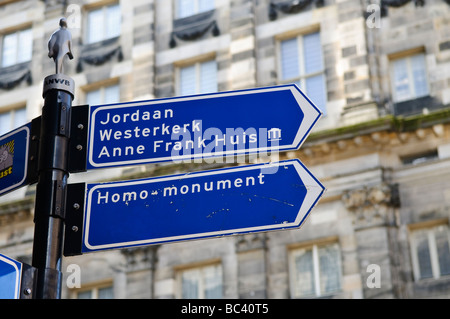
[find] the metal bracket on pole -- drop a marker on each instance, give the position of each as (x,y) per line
(33,154)
(28,282)
(74,219)
(78,139)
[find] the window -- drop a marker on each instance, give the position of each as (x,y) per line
(200,77)
(201,282)
(17,47)
(301,62)
(103,23)
(420,158)
(409,78)
(186,8)
(11,120)
(315,270)
(430,252)
(95,293)
(104,95)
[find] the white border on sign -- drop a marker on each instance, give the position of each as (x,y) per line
(18,274)
(314,191)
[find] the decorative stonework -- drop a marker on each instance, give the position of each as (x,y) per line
(15,212)
(99,53)
(250,242)
(140,258)
(12,76)
(290,6)
(398,140)
(396,4)
(16,217)
(370,206)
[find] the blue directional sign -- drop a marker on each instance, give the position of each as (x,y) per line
(215,203)
(14,147)
(200,126)
(10,277)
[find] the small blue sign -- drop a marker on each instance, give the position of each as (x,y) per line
(215,203)
(200,126)
(14,147)
(10,278)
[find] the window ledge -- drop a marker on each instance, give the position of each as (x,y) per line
(415,106)
(290,7)
(431,287)
(100,52)
(193,27)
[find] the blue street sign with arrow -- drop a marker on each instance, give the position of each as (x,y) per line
(215,203)
(14,148)
(10,277)
(200,126)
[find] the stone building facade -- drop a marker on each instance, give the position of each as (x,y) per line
(380,71)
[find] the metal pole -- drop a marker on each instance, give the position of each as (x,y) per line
(51,187)
(49,213)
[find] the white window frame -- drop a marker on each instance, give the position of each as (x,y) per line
(302,75)
(94,289)
(315,259)
(434,258)
(18,48)
(412,89)
(12,119)
(103,9)
(197,66)
(196,10)
(201,282)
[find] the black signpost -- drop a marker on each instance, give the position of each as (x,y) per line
(52,184)
(58,93)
